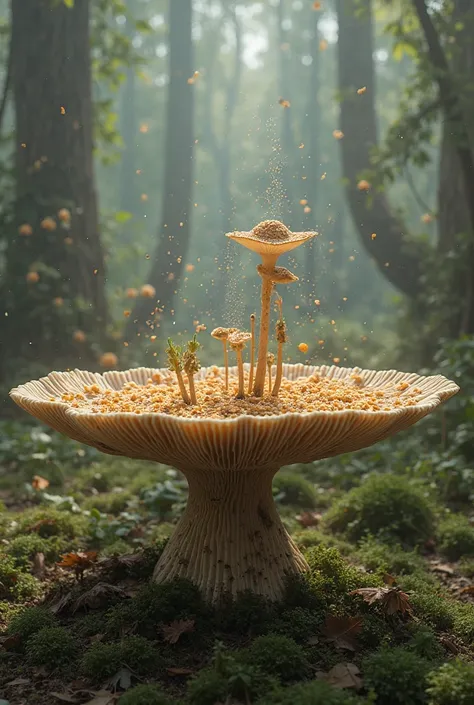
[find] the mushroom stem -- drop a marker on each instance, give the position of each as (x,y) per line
(252,351)
(270,361)
(192,389)
(210,548)
(226,364)
(240,366)
(279,370)
(260,373)
(182,387)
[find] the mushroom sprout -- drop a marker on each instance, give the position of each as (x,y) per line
(237,342)
(269,239)
(270,363)
(175,363)
(222,334)
(252,351)
(191,366)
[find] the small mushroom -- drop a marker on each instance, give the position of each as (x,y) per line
(270,362)
(237,342)
(222,334)
(252,351)
(269,239)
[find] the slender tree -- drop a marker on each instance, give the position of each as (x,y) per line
(174,233)
(54,230)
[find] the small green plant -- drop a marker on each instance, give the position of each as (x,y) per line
(175,364)
(311,693)
(451,684)
(191,365)
(298,623)
(331,577)
(397,675)
(146,695)
(248,613)
(277,655)
(102,660)
(456,537)
(385,506)
(14,584)
(294,490)
(388,558)
(31,621)
(53,647)
(429,601)
(425,643)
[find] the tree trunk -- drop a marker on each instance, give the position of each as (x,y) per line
(128,130)
(358,123)
(174,234)
(51,81)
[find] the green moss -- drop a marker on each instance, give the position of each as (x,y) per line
(456,537)
(331,577)
(385,506)
(424,642)
(466,567)
(397,675)
(277,655)
(314,537)
(429,601)
(178,599)
(46,522)
(23,548)
(386,558)
(463,624)
(52,647)
(311,693)
(299,623)
(102,660)
(247,613)
(31,621)
(208,687)
(292,489)
(108,503)
(146,695)
(451,684)
(14,584)
(90,624)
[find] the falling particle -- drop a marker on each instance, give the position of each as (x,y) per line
(284,103)
(303,347)
(181,224)
(126,313)
(68,240)
(23,144)
(147,256)
(301,146)
(79,336)
(323,176)
(138,171)
(131,293)
(152,338)
(361,91)
(144,197)
(296,307)
(189,267)
(193,78)
(63,110)
(344,298)
(148,291)
(331,250)
(48,224)
(307,209)
(25,229)
(336,360)
(316,5)
(170,276)
(32,277)
(58,301)
(363,338)
(320,342)
(387,264)
(338,134)
(373,236)
(351,258)
(303,202)
(317,302)
(64,215)
(125,344)
(333,322)
(363,185)
(323,45)
(108,359)
(200,327)
(144,127)
(95,271)
(426,218)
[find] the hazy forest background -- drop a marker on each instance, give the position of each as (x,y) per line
(133,138)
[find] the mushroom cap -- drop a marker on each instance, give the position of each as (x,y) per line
(279,275)
(222,333)
(271,237)
(240,443)
(238,338)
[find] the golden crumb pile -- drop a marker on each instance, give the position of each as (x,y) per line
(271,231)
(161,395)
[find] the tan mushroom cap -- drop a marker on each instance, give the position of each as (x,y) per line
(222,333)
(239,443)
(279,275)
(238,339)
(271,237)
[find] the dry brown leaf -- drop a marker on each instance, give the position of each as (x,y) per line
(392,600)
(442,568)
(469,590)
(389,579)
(342,631)
(11,641)
(39,483)
(176,671)
(344,675)
(79,562)
(97,595)
(449,644)
(172,632)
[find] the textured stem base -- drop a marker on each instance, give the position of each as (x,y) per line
(230,537)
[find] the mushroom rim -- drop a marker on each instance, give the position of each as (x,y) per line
(430,402)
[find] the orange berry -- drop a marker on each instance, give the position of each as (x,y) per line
(32,277)
(25,229)
(108,359)
(303,347)
(48,224)
(148,291)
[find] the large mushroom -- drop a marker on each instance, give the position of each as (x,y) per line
(269,239)
(230,537)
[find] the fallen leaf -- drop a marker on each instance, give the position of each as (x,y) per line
(307,519)
(344,675)
(11,641)
(19,681)
(179,671)
(122,679)
(449,644)
(342,631)
(96,596)
(38,568)
(469,590)
(442,568)
(389,579)
(39,483)
(172,632)
(64,697)
(80,561)
(392,599)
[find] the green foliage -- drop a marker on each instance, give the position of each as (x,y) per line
(298,623)
(425,643)
(52,647)
(294,490)
(207,687)
(397,675)
(23,548)
(388,558)
(277,655)
(146,695)
(331,577)
(385,506)
(14,584)
(102,660)
(50,522)
(311,693)
(247,613)
(31,621)
(456,537)
(451,684)
(429,601)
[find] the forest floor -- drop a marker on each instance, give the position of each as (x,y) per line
(385,614)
